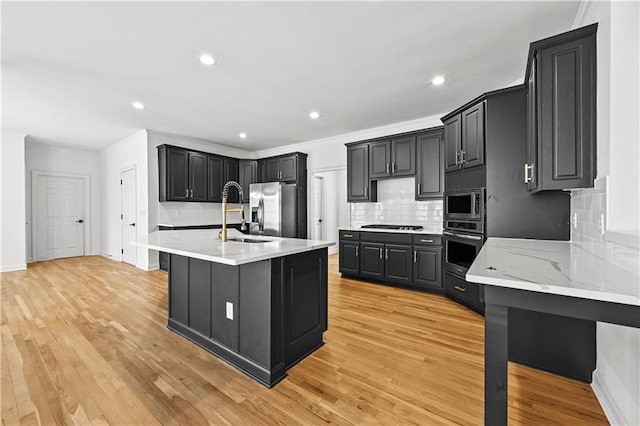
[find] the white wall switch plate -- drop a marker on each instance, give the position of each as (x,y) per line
(230,311)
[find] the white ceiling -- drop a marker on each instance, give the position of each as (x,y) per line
(71,70)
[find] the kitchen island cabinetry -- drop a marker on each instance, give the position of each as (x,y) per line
(261,306)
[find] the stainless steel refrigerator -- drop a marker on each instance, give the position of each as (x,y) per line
(273,209)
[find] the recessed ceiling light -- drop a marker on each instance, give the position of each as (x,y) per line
(138,105)
(207,59)
(314,115)
(437,81)
(243,135)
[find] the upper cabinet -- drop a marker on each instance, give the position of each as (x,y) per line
(231,174)
(182,174)
(561,111)
(284,168)
(395,157)
(248,175)
(215,179)
(430,165)
(358,183)
(464,138)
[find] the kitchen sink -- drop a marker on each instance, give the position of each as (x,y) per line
(248,240)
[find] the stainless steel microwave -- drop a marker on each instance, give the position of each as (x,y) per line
(467,204)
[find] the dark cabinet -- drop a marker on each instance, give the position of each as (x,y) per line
(372,260)
(350,257)
(272,170)
(248,175)
(398,263)
(395,157)
(358,184)
(464,138)
(231,174)
(289,168)
(182,174)
(561,139)
(427,267)
(280,169)
(215,178)
(430,165)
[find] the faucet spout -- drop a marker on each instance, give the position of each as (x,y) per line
(225,209)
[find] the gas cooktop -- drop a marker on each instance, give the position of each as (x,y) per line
(395,227)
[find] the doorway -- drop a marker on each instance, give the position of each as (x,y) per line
(59,208)
(328,202)
(128,215)
(318,213)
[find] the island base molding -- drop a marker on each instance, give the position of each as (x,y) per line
(261,317)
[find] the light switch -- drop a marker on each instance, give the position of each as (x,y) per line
(230,311)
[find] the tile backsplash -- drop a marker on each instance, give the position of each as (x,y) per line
(184,214)
(589,212)
(397,205)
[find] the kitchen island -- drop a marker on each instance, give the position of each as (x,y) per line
(258,303)
(586,281)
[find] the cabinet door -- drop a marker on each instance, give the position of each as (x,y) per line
(350,257)
(473,136)
(177,175)
(379,159)
(197,176)
(262,171)
(248,175)
(430,165)
(372,260)
(567,114)
(273,170)
(231,174)
(452,143)
(531,167)
(403,156)
(358,173)
(288,168)
(427,267)
(398,263)
(215,183)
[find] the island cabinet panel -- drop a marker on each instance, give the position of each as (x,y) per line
(305,283)
(224,289)
(179,290)
(200,296)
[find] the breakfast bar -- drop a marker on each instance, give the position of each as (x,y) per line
(589,281)
(260,304)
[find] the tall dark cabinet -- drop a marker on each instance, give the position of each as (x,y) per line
(430,165)
(561,108)
(359,185)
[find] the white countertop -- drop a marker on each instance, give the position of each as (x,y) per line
(431,231)
(560,267)
(174,225)
(204,244)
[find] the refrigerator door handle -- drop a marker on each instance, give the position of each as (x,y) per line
(261,215)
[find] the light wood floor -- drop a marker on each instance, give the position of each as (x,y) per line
(84,341)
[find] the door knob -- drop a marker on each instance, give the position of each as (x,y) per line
(132,224)
(79,221)
(319,220)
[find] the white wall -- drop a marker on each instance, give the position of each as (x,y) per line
(72,162)
(617,376)
(131,151)
(12,198)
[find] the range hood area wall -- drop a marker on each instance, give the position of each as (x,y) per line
(396,204)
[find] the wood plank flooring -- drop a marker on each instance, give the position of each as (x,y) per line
(84,341)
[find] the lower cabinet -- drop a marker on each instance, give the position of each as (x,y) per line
(403,259)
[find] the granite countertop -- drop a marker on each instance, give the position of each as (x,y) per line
(430,231)
(204,244)
(560,267)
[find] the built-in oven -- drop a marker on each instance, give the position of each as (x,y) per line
(465,205)
(460,250)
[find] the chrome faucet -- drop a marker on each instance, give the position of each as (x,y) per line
(243,226)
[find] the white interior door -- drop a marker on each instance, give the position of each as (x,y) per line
(128,215)
(318,208)
(60,216)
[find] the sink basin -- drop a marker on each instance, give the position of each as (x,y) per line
(247,240)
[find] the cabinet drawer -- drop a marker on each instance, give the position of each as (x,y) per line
(349,235)
(428,239)
(463,291)
(382,237)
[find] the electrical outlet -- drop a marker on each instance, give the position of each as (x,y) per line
(575,220)
(230,311)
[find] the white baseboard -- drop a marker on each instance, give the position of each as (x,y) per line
(151,267)
(9,268)
(333,249)
(606,400)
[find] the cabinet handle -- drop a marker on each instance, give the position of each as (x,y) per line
(462,289)
(365,191)
(462,153)
(356,251)
(348,235)
(527,175)
(419,189)
(380,253)
(386,254)
(415,256)
(186,193)
(426,241)
(191,193)
(393,167)
(457,158)
(387,167)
